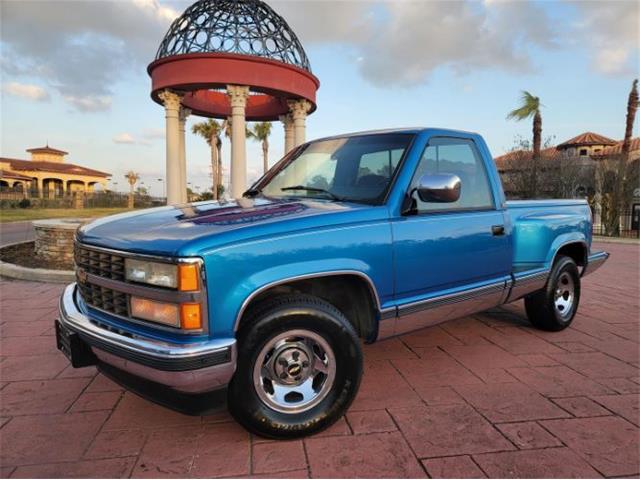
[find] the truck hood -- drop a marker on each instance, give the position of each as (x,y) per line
(195,228)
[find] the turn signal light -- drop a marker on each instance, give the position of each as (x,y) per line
(153,311)
(190,316)
(188,277)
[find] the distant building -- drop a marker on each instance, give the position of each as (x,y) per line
(578,154)
(48,175)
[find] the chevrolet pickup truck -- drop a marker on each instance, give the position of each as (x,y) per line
(346,240)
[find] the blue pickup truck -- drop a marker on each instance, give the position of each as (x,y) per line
(346,240)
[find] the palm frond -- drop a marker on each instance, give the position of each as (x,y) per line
(528,107)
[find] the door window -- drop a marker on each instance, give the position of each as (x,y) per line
(460,157)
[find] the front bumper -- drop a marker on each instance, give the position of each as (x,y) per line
(191,368)
(594,262)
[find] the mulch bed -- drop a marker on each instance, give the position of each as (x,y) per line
(23,254)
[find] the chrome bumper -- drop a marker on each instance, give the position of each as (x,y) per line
(594,262)
(192,368)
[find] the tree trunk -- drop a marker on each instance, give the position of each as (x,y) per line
(617,202)
(537,139)
(214,165)
(623,160)
(219,178)
(265,155)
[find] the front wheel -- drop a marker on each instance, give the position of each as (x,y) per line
(299,367)
(554,307)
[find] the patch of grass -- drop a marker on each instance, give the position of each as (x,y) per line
(22,214)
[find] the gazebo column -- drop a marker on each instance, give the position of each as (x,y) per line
(238,98)
(299,110)
(184,113)
(171,103)
(287,123)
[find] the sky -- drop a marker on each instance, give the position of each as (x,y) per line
(73,74)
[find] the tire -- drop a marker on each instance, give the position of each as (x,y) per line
(299,367)
(554,307)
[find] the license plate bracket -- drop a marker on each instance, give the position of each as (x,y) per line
(74,348)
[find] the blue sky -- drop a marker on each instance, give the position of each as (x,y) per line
(81,83)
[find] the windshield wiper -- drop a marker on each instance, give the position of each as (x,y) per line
(252,192)
(313,189)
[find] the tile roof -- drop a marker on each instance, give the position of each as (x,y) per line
(617,148)
(13,175)
(502,160)
(587,138)
(47,149)
(54,167)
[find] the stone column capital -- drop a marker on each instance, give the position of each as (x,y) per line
(171,100)
(183,114)
(299,108)
(238,95)
(287,120)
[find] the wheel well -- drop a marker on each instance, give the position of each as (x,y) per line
(577,251)
(351,294)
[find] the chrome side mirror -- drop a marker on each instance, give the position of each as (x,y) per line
(439,188)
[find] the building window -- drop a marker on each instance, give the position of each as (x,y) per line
(583,152)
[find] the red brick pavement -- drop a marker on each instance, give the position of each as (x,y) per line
(486,395)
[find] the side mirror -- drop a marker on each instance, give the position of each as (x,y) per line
(439,188)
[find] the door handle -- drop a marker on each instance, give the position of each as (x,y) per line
(497,230)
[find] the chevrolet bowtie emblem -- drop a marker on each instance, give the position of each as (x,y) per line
(81,273)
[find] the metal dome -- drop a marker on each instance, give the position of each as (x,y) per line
(246,27)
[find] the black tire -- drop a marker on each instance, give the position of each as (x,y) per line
(541,307)
(273,319)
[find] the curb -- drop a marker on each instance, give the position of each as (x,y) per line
(627,241)
(18,272)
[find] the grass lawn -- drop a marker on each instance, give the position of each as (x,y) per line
(21,214)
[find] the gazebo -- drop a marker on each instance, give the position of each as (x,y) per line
(236,60)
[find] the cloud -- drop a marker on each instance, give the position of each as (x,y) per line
(89,103)
(31,92)
(611,32)
(124,138)
(81,48)
(403,42)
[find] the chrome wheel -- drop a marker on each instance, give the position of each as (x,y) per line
(564,295)
(294,371)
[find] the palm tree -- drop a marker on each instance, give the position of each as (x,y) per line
(132,177)
(260,132)
(623,161)
(211,130)
(530,107)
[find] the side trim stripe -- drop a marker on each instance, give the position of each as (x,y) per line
(451,298)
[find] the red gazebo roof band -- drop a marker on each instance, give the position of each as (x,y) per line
(216,43)
(203,78)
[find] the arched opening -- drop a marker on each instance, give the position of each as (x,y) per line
(53,187)
(75,186)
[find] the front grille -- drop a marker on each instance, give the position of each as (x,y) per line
(106,265)
(100,263)
(105,298)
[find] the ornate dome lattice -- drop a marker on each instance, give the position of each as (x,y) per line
(246,27)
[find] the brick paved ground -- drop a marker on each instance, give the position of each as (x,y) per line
(482,396)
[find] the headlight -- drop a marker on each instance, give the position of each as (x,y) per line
(184,277)
(160,274)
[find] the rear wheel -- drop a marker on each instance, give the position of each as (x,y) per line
(299,367)
(554,307)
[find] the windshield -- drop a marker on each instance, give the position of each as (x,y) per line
(358,169)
